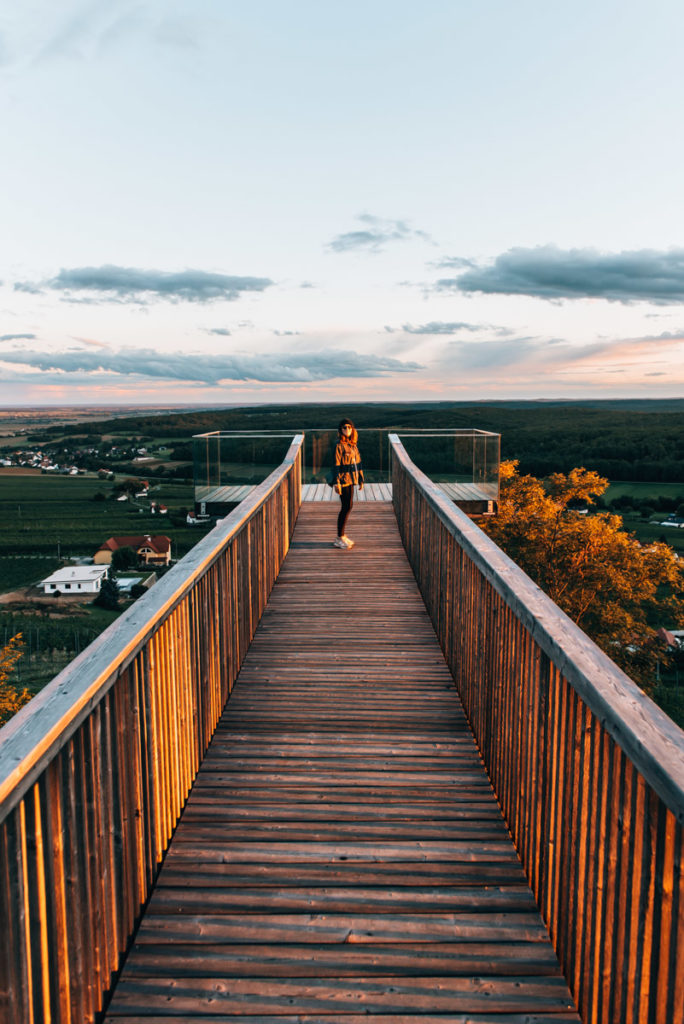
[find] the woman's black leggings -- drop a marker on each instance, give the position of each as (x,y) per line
(347,499)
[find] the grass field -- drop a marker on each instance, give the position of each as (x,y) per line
(648,532)
(57,516)
(24,571)
(644,490)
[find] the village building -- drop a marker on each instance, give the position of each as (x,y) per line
(75,579)
(150,550)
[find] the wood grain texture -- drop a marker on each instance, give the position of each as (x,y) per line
(341,851)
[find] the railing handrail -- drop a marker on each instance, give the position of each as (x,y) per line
(649,738)
(409,432)
(44,725)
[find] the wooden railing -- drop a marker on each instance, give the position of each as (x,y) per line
(94,771)
(588,771)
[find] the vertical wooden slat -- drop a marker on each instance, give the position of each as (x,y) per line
(601,884)
(92,865)
(34,882)
(675,988)
(55,884)
(106,775)
(17,988)
(77,904)
(662,917)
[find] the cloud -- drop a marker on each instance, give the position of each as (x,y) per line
(287,334)
(17,337)
(547,272)
(453,263)
(223,332)
(89,30)
(128,284)
(437,327)
(212,369)
(90,341)
(375,235)
(480,355)
(550,355)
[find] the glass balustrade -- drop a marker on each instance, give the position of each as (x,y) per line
(227,464)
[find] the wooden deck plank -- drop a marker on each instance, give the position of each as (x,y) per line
(357,929)
(333,1018)
(390,994)
(342,851)
(205,875)
(340,960)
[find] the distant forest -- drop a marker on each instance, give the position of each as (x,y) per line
(622,440)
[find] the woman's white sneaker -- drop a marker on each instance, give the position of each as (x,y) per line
(339,543)
(348,541)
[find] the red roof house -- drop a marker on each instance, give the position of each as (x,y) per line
(150,550)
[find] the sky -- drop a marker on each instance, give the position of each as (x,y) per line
(206,202)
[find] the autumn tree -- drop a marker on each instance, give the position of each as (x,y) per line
(11,699)
(617,591)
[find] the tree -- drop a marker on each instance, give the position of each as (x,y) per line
(124,558)
(11,699)
(109,595)
(130,486)
(617,591)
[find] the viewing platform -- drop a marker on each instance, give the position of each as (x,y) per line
(294,784)
(228,465)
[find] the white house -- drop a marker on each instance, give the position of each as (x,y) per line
(76,579)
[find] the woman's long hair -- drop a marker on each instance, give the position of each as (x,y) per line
(353,437)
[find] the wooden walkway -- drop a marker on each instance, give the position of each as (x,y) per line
(341,853)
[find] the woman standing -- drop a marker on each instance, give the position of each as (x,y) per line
(346,474)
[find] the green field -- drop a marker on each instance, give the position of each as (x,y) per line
(56,516)
(25,570)
(50,642)
(644,490)
(648,532)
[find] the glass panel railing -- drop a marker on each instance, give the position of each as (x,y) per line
(319,454)
(464,462)
(228,463)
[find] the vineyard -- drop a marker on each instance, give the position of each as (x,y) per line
(50,642)
(63,517)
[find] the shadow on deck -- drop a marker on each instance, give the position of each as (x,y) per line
(342,851)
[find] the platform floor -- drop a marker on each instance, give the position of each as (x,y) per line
(371,492)
(342,855)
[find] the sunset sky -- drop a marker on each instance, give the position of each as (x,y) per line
(210,202)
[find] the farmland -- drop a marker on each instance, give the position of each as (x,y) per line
(51,641)
(63,517)
(47,519)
